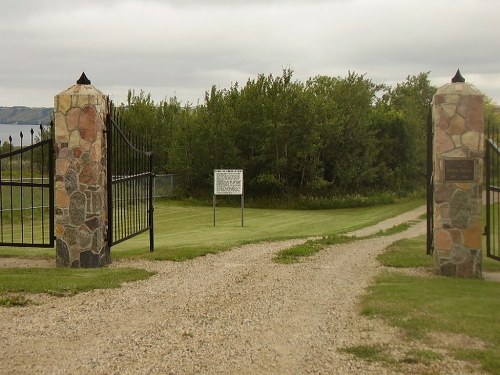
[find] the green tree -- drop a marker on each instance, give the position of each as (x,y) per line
(275,135)
(412,99)
(343,113)
(150,124)
(186,150)
(329,135)
(394,156)
(491,114)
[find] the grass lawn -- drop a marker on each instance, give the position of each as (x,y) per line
(183,231)
(411,253)
(16,283)
(422,305)
(66,280)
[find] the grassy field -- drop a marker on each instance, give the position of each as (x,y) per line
(184,231)
(17,283)
(29,224)
(423,305)
(66,280)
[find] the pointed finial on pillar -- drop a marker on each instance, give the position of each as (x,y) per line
(458,77)
(83,80)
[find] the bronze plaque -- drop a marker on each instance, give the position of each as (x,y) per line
(459,170)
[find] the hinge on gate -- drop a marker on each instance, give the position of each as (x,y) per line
(485,233)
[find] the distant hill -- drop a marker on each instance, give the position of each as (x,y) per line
(25,115)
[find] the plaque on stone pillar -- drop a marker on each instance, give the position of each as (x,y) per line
(459,170)
(456,199)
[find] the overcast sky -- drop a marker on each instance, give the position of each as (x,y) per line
(183,47)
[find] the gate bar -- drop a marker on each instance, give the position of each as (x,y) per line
(109,177)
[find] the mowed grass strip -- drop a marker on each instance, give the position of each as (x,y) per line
(311,247)
(66,280)
(411,252)
(295,253)
(406,253)
(422,305)
(184,231)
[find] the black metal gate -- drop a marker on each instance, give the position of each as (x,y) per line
(430,185)
(130,183)
(27,191)
(492,166)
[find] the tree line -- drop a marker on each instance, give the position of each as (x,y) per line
(323,137)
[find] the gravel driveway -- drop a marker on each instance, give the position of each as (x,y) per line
(237,312)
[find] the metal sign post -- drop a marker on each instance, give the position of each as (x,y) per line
(229,182)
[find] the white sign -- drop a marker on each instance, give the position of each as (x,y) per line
(228,182)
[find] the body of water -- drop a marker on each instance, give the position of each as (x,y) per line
(7,130)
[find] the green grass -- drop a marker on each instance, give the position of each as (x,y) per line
(301,202)
(411,253)
(490,264)
(311,247)
(29,225)
(395,229)
(14,301)
(62,281)
(184,231)
(406,253)
(488,358)
(22,229)
(421,305)
(421,356)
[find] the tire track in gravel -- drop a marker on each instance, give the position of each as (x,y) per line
(236,312)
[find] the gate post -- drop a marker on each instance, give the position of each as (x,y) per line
(80,187)
(458,142)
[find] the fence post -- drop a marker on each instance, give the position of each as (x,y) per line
(80,187)
(458,124)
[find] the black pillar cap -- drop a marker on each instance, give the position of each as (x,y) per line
(458,77)
(83,80)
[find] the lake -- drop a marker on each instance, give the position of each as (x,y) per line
(13,130)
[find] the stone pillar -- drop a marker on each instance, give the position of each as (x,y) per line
(80,186)
(458,127)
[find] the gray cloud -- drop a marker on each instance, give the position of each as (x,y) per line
(184,47)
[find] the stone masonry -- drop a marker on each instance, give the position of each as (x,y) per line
(458,174)
(80,191)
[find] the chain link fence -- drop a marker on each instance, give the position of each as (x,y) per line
(166,185)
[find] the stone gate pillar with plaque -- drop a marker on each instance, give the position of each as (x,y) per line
(458,128)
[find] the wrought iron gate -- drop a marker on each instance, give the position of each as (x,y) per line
(27,191)
(430,185)
(492,166)
(130,183)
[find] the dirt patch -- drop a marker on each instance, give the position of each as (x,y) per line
(450,340)
(26,263)
(492,276)
(416,271)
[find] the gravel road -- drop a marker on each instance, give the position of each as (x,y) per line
(237,312)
